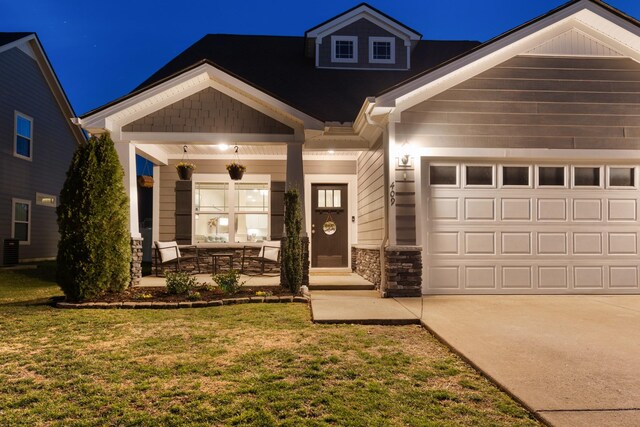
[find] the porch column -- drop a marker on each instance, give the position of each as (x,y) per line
(295,175)
(127,155)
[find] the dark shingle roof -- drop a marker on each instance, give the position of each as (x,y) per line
(277,65)
(6,38)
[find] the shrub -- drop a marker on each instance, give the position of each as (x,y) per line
(194,296)
(94,251)
(292,248)
(228,282)
(180,282)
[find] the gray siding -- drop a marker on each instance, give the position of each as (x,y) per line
(24,88)
(371,195)
(535,102)
(363,29)
(208,111)
(274,168)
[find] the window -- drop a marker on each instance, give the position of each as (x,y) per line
(622,176)
(329,198)
(586,176)
(551,176)
(382,50)
(516,176)
(231,212)
(443,175)
(46,200)
(21,220)
(479,175)
(23,136)
(344,49)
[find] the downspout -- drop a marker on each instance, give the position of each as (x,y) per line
(385,236)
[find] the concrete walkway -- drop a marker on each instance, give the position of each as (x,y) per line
(573,360)
(361,307)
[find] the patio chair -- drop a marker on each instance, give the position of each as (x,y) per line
(169,253)
(269,255)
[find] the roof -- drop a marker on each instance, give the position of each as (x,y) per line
(277,66)
(6,38)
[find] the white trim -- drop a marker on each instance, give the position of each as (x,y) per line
(155,213)
(204,138)
(501,167)
(364,68)
(445,164)
(392,48)
(363,12)
(622,187)
(352,209)
(17,43)
(565,183)
(17,114)
(50,204)
(587,187)
(493,175)
(352,39)
(29,221)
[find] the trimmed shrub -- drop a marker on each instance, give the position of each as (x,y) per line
(228,282)
(94,252)
(180,282)
(292,248)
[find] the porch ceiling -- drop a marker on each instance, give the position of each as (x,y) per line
(271,151)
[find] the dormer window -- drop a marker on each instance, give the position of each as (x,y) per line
(344,49)
(382,50)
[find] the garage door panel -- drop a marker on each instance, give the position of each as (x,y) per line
(480,243)
(479,209)
(517,277)
(623,277)
(516,243)
(516,209)
(587,243)
(623,244)
(552,243)
(588,277)
(444,208)
(477,277)
(552,210)
(553,277)
(444,278)
(443,242)
(622,210)
(587,210)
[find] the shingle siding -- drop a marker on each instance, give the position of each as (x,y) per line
(24,88)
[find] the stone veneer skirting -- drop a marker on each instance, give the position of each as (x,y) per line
(136,261)
(403,271)
(365,262)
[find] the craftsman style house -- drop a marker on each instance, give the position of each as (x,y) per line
(442,167)
(37,142)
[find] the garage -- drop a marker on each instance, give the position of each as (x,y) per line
(495,227)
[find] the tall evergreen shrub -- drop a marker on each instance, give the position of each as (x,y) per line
(94,251)
(292,250)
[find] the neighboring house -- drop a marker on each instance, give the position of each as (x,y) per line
(447,167)
(37,142)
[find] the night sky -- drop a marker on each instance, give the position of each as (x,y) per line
(101,50)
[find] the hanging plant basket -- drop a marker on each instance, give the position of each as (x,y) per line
(185,170)
(236,171)
(145,181)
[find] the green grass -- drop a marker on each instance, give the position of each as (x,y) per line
(258,364)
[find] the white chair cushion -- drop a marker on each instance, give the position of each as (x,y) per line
(168,251)
(270,253)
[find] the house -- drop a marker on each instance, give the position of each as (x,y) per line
(438,167)
(37,142)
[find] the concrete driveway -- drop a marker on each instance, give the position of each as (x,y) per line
(574,360)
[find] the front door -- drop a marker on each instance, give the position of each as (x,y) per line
(329,225)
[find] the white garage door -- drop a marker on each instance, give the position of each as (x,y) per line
(498,228)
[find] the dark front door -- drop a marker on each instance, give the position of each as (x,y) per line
(329,225)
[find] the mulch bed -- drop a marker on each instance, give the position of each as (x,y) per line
(160,294)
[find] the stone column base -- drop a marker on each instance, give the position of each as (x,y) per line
(403,271)
(136,261)
(365,262)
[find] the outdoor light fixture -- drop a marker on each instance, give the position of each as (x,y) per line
(223,147)
(331,152)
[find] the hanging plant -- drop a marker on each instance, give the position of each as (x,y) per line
(235,169)
(145,179)
(185,170)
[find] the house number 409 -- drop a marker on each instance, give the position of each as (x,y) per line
(392,193)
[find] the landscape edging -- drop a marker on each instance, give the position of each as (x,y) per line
(182,304)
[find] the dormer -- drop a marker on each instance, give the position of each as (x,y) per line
(361,38)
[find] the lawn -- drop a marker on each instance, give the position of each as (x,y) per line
(253,364)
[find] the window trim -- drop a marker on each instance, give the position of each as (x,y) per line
(586,187)
(17,114)
(501,167)
(15,201)
(622,187)
(354,40)
(40,196)
(231,211)
(537,177)
(392,41)
(486,165)
(457,184)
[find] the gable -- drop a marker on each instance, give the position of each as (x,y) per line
(574,43)
(208,111)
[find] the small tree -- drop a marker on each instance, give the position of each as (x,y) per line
(292,249)
(94,251)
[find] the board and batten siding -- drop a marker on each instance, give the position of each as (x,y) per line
(371,195)
(535,102)
(274,168)
(24,88)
